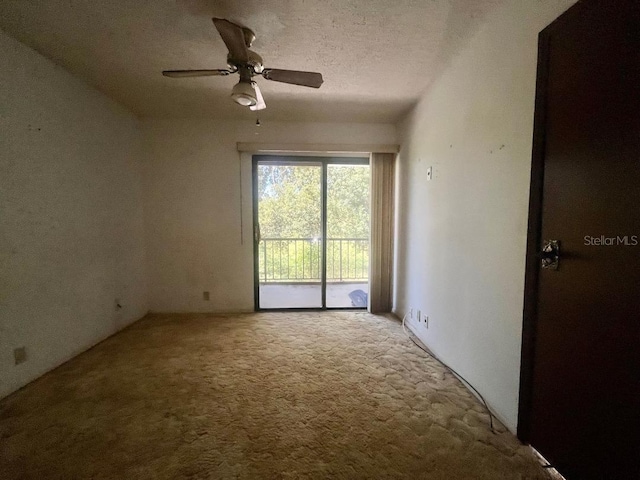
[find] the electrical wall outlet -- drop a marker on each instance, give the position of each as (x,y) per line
(20,355)
(418,316)
(205,296)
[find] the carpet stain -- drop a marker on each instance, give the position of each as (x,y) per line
(340,395)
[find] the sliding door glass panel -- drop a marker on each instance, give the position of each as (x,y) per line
(289,243)
(347,235)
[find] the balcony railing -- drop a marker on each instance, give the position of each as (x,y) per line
(300,259)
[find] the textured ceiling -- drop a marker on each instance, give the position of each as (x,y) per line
(377,56)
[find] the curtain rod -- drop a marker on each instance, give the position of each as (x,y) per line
(316,148)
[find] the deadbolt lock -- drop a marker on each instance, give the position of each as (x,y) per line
(550,254)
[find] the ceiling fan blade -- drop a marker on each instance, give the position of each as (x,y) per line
(233,37)
(295,77)
(260,105)
(194,73)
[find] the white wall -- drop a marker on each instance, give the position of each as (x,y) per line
(461,245)
(193,205)
(71,223)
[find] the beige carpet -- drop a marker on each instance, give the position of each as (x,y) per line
(259,396)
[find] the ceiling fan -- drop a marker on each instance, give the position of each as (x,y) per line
(247,64)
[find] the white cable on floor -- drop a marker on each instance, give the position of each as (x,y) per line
(435,357)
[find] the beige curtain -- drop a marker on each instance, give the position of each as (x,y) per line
(382,223)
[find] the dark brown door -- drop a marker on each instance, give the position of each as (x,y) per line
(580,404)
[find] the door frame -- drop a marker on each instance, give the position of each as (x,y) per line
(534,228)
(324,161)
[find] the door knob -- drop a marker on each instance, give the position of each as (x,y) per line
(550,254)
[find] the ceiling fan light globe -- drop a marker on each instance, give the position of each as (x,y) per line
(244,94)
(244,100)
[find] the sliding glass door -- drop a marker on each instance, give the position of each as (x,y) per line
(311,232)
(288,233)
(347,243)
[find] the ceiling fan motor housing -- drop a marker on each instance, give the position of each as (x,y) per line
(254,63)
